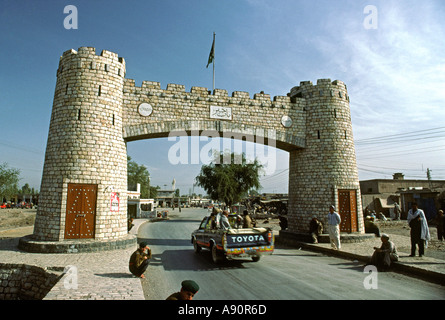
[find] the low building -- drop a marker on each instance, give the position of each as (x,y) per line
(199,201)
(140,208)
(165,198)
(381,194)
(426,199)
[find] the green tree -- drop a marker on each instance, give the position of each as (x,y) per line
(26,189)
(138,174)
(154,192)
(9,178)
(229,177)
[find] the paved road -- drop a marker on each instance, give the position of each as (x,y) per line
(288,274)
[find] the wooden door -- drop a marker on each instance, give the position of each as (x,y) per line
(347,200)
(80,211)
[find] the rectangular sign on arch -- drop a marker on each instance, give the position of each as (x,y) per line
(218,112)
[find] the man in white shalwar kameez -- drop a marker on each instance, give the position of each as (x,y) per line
(334,228)
(420,233)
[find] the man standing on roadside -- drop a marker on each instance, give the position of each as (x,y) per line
(397,211)
(420,233)
(334,228)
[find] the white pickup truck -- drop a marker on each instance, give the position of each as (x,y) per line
(233,243)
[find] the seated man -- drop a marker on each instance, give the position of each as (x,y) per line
(371,227)
(225,224)
(139,260)
(283,222)
(247,221)
(315,229)
(216,213)
(384,255)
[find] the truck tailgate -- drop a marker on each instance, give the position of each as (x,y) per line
(256,237)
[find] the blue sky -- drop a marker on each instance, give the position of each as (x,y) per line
(395,73)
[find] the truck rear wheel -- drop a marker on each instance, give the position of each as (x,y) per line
(256,258)
(216,256)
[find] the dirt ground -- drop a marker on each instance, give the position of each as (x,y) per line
(16,218)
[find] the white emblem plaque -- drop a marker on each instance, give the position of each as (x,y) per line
(217,112)
(145,109)
(286,121)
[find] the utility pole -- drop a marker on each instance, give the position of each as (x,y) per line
(428,175)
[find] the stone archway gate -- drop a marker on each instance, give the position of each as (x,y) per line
(96,110)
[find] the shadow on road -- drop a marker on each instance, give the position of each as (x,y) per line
(166,242)
(349,265)
(185,259)
(115,275)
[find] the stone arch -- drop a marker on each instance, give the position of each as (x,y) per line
(219,129)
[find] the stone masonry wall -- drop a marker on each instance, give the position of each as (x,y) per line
(25,282)
(175,109)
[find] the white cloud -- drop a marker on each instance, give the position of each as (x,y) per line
(394,73)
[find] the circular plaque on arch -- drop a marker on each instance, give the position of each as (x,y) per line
(286,121)
(145,109)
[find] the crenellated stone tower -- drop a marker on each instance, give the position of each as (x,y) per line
(83,195)
(324,173)
(86,159)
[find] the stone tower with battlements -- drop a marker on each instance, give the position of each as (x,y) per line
(96,111)
(324,173)
(85,148)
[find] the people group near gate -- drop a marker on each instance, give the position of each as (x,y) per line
(387,253)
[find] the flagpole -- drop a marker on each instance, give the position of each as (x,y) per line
(214,63)
(212,59)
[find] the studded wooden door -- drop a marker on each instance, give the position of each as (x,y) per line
(347,200)
(80,211)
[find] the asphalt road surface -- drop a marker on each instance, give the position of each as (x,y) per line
(288,274)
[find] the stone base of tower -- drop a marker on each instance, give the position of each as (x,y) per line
(29,244)
(295,238)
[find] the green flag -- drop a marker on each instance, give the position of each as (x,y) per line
(212,52)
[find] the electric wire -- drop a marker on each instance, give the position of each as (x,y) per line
(404,135)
